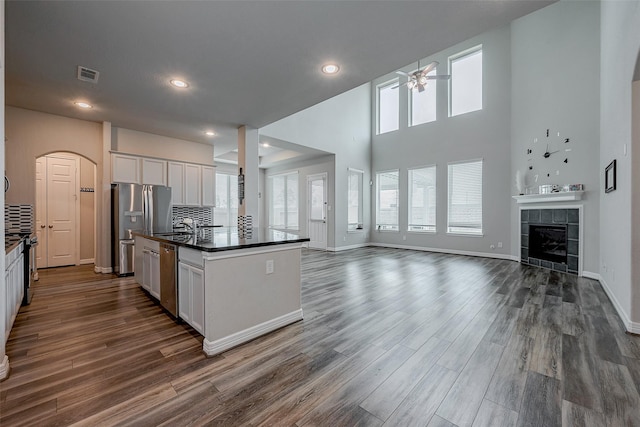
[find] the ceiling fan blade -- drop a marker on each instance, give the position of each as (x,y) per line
(421,88)
(439,77)
(430,67)
(402,73)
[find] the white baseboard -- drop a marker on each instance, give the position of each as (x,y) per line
(633,327)
(4,368)
(346,248)
(103,270)
(87,261)
(448,251)
(212,348)
(591,275)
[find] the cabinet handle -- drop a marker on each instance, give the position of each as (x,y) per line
(42,226)
(51,226)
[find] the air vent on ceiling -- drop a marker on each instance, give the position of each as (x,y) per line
(87,74)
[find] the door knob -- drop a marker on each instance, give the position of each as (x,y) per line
(51,226)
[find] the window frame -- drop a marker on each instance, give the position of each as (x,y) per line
(410,199)
(353,227)
(393,227)
(451,60)
(379,88)
(479,231)
(286,176)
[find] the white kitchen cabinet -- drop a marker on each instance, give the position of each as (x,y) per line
(154,171)
(154,272)
(125,168)
(191,295)
(208,186)
(192,184)
(176,182)
(145,280)
(14,286)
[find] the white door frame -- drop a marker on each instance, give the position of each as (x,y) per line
(314,225)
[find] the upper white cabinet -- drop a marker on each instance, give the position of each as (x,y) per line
(208,186)
(176,182)
(192,184)
(125,168)
(154,171)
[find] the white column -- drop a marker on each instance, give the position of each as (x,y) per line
(4,360)
(103,195)
(248,163)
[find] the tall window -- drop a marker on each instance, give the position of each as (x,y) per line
(465,198)
(387,200)
(388,107)
(226,210)
(283,202)
(422,105)
(466,82)
(422,199)
(354,200)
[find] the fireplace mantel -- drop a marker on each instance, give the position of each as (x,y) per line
(564,196)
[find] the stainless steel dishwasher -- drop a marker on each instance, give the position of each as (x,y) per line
(168,278)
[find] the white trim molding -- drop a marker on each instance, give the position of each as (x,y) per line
(508,257)
(633,327)
(87,261)
(211,348)
(346,248)
(103,270)
(4,368)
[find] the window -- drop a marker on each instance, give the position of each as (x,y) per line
(388,107)
(422,199)
(466,82)
(387,200)
(283,202)
(465,198)
(354,200)
(226,210)
(422,105)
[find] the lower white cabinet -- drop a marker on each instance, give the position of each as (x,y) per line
(147,266)
(191,295)
(14,282)
(154,272)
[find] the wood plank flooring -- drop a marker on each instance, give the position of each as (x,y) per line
(390,338)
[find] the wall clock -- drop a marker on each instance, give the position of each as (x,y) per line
(552,150)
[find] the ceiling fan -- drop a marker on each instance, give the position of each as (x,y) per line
(419,79)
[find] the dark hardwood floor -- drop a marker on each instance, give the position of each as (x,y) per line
(390,337)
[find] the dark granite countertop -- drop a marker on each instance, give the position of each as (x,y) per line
(11,241)
(227,238)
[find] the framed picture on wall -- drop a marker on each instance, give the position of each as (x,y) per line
(610,177)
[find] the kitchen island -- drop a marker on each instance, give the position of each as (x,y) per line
(231,286)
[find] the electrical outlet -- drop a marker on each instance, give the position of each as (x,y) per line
(270,266)
(344,238)
(500,244)
(492,246)
(404,237)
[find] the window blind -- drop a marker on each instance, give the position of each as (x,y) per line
(422,199)
(387,200)
(465,198)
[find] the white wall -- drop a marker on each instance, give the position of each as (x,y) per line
(555,75)
(620,44)
(341,126)
(4,361)
(481,134)
(147,144)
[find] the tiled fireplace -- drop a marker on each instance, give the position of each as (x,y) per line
(550,238)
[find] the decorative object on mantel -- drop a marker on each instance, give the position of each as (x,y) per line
(519,182)
(610,177)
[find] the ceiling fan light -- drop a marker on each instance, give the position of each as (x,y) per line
(410,84)
(422,80)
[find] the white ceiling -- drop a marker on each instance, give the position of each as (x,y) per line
(248,62)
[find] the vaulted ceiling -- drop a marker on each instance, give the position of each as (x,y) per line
(247,62)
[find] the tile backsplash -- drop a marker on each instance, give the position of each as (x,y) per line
(204,216)
(18,218)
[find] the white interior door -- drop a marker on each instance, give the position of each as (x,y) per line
(317,212)
(41,212)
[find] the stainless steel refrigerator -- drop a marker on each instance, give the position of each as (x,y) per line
(140,208)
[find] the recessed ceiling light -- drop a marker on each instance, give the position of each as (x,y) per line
(83,104)
(330,69)
(209,133)
(179,83)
